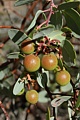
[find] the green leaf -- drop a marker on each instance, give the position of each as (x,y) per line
(19,85)
(39,78)
(42,97)
(59,100)
(77,83)
(72,20)
(51,118)
(44,79)
(2,74)
(13,55)
(57,34)
(21,92)
(48,114)
(75,35)
(6,85)
(44,31)
(51,33)
(34,20)
(16,36)
(23,2)
(10,80)
(70,110)
(66,29)
(78,102)
(66,88)
(68,52)
(56,20)
(47,76)
(68,5)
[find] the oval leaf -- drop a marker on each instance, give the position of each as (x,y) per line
(57,34)
(19,85)
(56,20)
(68,5)
(68,52)
(51,33)
(73,20)
(43,32)
(16,36)
(58,101)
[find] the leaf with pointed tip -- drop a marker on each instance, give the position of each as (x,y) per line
(17,36)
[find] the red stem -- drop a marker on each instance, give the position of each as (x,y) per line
(50,10)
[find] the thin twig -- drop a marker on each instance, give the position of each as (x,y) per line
(8,15)
(28,14)
(8,27)
(5,112)
(16,13)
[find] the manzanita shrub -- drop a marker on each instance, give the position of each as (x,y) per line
(47,57)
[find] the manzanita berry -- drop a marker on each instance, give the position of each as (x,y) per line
(27,47)
(62,77)
(32,96)
(49,61)
(31,63)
